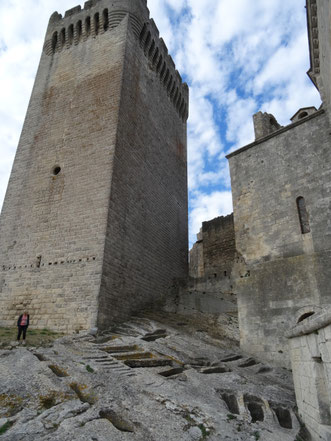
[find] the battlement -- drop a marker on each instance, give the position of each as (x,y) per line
(78,25)
(162,63)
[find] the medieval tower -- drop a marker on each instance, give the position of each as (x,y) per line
(94,222)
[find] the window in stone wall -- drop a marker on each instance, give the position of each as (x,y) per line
(88,26)
(54,41)
(303,215)
(96,23)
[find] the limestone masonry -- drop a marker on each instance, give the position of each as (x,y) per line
(94,222)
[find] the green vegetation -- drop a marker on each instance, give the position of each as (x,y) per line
(5,427)
(230,416)
(257,435)
(89,369)
(11,403)
(204,431)
(34,337)
(47,401)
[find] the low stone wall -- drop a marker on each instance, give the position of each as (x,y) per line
(310,349)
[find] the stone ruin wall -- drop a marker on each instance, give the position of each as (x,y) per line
(210,286)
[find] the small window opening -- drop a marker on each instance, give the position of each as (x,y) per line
(142,33)
(166,77)
(163,69)
(54,41)
(151,50)
(88,26)
(71,34)
(79,29)
(38,261)
(105,19)
(56,170)
(306,315)
(169,84)
(96,23)
(159,64)
(302,115)
(303,215)
(155,57)
(225,273)
(63,37)
(148,39)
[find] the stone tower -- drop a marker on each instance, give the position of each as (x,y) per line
(94,222)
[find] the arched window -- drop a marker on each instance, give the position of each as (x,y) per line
(303,215)
(302,115)
(105,19)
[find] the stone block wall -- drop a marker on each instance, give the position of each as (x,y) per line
(93,225)
(310,350)
(146,243)
(280,268)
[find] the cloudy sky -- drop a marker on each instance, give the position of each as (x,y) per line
(238,57)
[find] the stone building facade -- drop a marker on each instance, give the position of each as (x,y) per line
(94,222)
(281,187)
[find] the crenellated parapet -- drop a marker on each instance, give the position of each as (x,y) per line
(99,16)
(313,38)
(162,63)
(80,24)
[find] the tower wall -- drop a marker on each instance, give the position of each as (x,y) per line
(146,243)
(62,235)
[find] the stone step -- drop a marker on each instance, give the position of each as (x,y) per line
(149,363)
(134,356)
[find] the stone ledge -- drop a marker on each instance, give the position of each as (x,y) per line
(311,324)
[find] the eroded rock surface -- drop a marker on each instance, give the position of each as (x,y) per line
(183,385)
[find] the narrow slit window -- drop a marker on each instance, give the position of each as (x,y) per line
(79,30)
(88,26)
(105,20)
(54,41)
(96,23)
(303,215)
(71,34)
(63,37)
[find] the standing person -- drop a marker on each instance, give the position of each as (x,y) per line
(22,324)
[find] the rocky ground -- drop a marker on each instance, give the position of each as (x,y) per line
(156,378)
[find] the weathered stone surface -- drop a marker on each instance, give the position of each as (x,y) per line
(142,404)
(310,351)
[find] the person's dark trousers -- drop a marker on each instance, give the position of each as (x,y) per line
(20,330)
